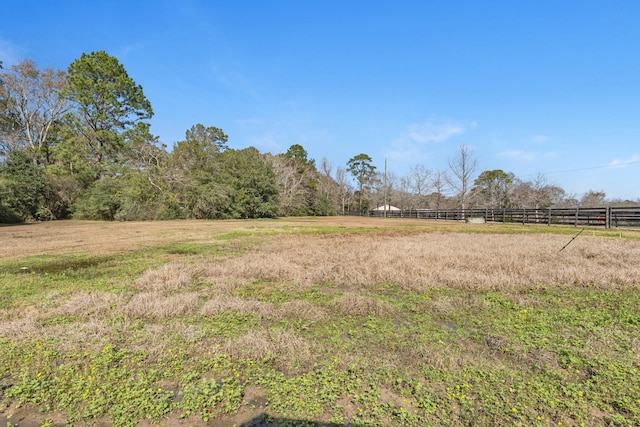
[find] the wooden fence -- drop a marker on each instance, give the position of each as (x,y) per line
(608,217)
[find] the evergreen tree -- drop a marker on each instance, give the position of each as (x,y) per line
(24,187)
(109,111)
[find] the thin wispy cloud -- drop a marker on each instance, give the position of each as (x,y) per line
(413,142)
(266,142)
(125,50)
(623,163)
(219,75)
(433,131)
(247,88)
(276,135)
(408,154)
(233,80)
(10,53)
(539,139)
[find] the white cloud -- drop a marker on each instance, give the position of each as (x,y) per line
(622,163)
(416,141)
(410,145)
(406,155)
(539,139)
(433,131)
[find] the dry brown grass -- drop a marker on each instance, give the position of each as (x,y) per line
(159,306)
(84,304)
(100,238)
(87,310)
(81,334)
(168,278)
(23,327)
(354,264)
(420,261)
(285,347)
(299,310)
(415,260)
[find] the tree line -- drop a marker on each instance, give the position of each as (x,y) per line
(461,186)
(77,143)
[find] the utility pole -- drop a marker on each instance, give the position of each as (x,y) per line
(385,188)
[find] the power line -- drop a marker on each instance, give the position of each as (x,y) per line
(593,167)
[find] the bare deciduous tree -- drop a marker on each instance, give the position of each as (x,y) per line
(32,104)
(593,199)
(289,180)
(439,186)
(537,193)
(327,186)
(463,166)
(345,188)
(418,182)
(326,168)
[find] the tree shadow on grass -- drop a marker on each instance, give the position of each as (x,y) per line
(265,420)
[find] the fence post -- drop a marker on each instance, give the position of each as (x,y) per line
(524,216)
(607,217)
(549,220)
(576,220)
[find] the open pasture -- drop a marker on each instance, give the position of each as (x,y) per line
(323,321)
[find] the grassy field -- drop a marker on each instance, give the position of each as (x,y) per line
(318,322)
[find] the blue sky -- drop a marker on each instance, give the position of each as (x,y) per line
(532,87)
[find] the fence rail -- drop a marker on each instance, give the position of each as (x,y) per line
(608,217)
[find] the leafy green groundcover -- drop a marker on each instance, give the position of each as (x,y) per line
(493,362)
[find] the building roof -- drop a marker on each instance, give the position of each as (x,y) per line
(386,208)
